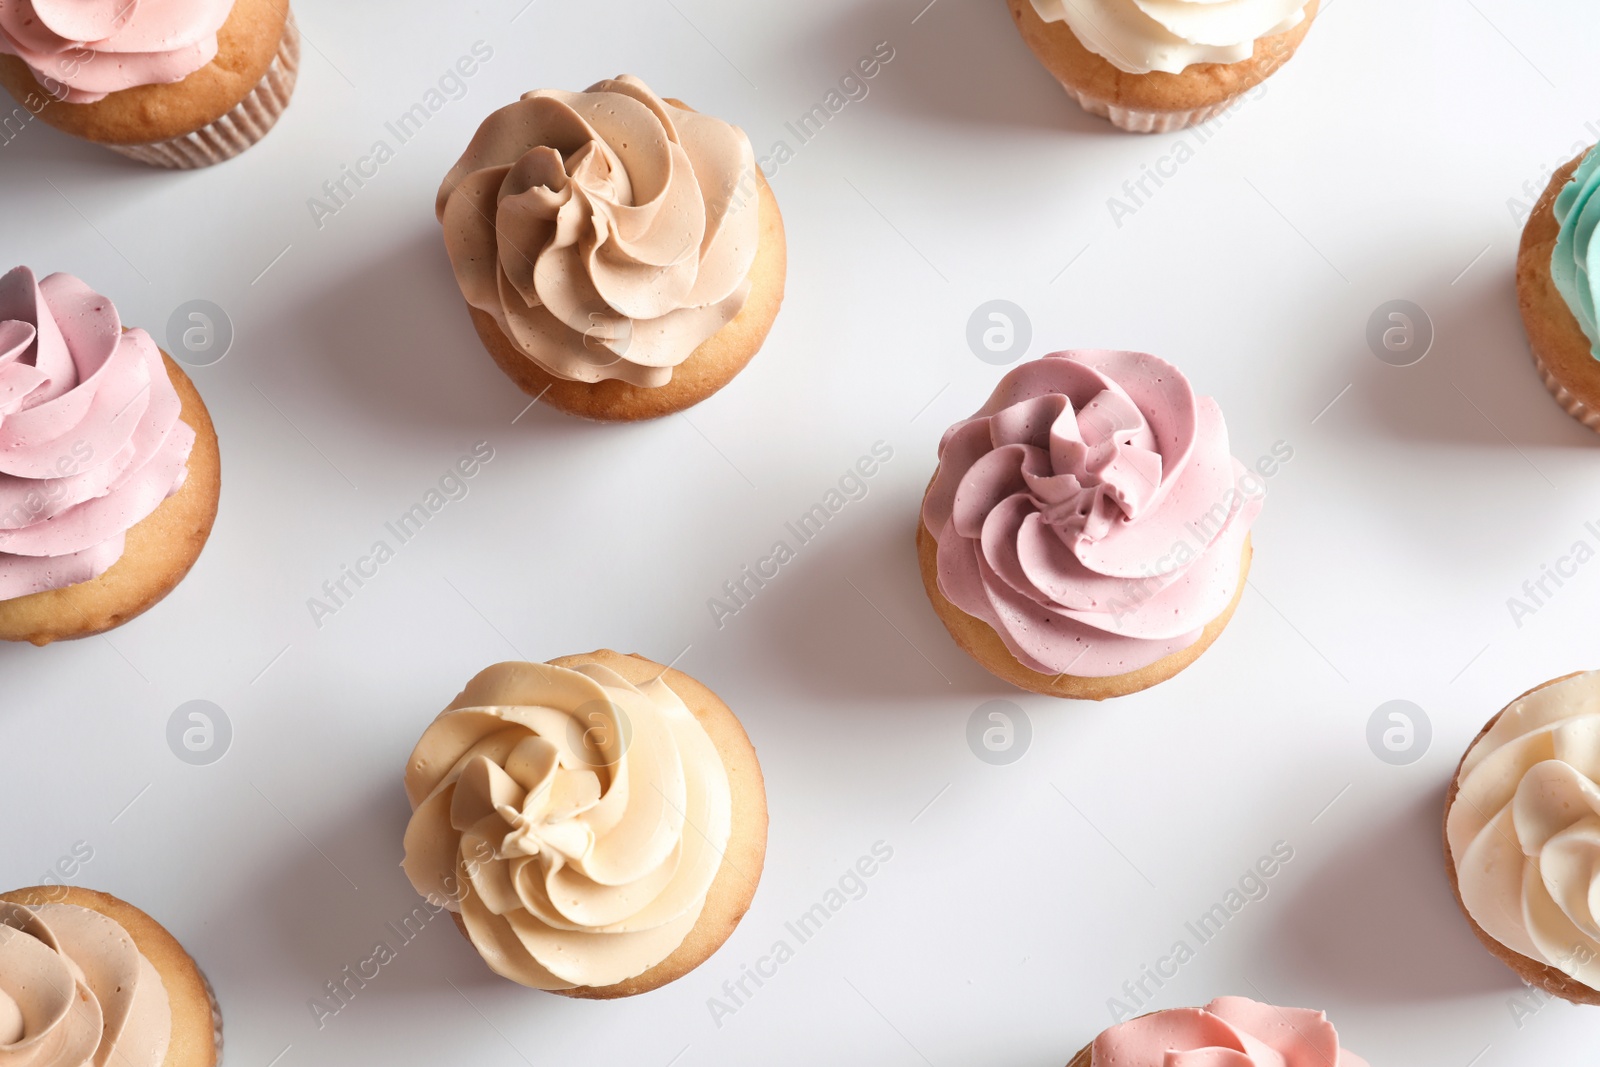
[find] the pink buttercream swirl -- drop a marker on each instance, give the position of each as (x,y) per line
(83,50)
(1228,1032)
(90,436)
(1091,513)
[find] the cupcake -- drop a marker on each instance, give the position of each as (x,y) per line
(179,83)
(596,824)
(109,471)
(1557,292)
(1087,533)
(1234,1031)
(621,255)
(1522,830)
(86,978)
(1154,66)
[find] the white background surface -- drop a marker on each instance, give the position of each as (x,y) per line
(1378,165)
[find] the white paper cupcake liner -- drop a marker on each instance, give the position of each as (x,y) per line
(216,1015)
(249,121)
(1136,121)
(1565,397)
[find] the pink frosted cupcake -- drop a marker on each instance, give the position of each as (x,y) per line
(172,83)
(109,468)
(1228,1032)
(1087,532)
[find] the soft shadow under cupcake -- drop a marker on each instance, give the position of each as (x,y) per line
(1375,920)
(1477,385)
(401,347)
(326,902)
(35,151)
(846,620)
(957,64)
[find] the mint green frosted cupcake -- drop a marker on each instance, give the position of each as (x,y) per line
(1557,277)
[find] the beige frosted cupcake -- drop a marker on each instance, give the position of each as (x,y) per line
(86,978)
(596,824)
(110,473)
(621,255)
(1556,291)
(180,84)
(1522,830)
(1154,66)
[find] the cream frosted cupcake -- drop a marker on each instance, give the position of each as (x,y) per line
(86,978)
(109,469)
(621,255)
(1228,1032)
(597,824)
(1522,834)
(1557,291)
(1087,532)
(171,83)
(1153,66)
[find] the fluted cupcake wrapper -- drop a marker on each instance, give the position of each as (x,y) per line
(1135,120)
(1566,398)
(216,1015)
(250,120)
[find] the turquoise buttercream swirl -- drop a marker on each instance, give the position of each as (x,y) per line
(1575,264)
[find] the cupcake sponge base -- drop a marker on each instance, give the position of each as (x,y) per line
(978,639)
(250,120)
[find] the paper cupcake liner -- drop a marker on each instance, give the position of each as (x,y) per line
(1566,398)
(251,120)
(216,1015)
(1135,120)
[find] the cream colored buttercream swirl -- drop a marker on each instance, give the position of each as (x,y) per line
(574,820)
(1524,830)
(75,990)
(608,232)
(1140,36)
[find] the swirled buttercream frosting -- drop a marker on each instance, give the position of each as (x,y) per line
(90,436)
(76,991)
(1140,36)
(1573,265)
(1228,1032)
(574,820)
(1524,829)
(83,50)
(608,232)
(1090,513)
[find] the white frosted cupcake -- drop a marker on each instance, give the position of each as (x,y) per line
(1522,834)
(1153,66)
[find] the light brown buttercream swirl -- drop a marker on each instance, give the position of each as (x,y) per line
(75,990)
(608,232)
